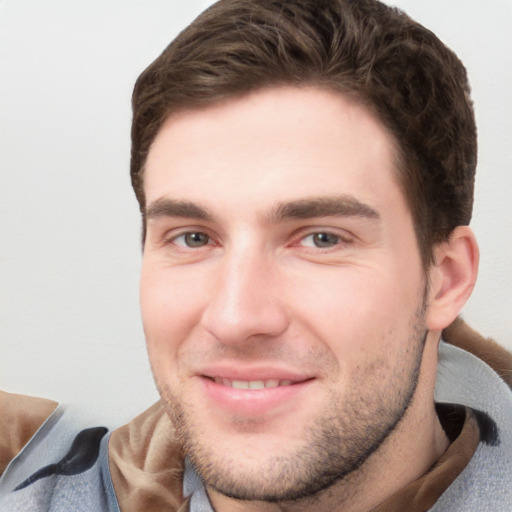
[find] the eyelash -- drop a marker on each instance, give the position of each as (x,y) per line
(174,238)
(332,244)
(333,240)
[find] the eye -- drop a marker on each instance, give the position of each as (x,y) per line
(321,240)
(192,239)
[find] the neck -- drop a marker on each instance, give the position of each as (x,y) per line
(408,453)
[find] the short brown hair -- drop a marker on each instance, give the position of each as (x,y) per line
(400,70)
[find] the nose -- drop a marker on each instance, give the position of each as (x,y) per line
(245,301)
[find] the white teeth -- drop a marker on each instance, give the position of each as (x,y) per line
(240,384)
(252,384)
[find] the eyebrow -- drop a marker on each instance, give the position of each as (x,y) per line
(165,207)
(331,206)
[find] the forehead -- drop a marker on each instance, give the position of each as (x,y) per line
(275,144)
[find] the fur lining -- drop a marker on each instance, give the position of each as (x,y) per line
(146,463)
(21,416)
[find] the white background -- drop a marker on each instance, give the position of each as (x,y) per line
(69,224)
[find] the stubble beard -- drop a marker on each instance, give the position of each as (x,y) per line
(339,441)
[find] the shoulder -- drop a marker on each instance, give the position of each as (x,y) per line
(475,372)
(54,459)
(460,334)
(21,417)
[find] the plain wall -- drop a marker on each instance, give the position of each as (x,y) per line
(69,223)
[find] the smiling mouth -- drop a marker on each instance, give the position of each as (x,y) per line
(254,397)
(252,384)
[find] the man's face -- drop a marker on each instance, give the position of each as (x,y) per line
(282,290)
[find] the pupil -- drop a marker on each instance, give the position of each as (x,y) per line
(324,239)
(196,239)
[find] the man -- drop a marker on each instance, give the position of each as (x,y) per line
(305,176)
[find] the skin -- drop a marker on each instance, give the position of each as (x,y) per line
(280,247)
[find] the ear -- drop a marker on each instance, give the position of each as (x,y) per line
(452,277)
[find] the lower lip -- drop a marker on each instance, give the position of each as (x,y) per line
(253,402)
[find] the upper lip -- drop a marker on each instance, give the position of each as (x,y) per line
(252,373)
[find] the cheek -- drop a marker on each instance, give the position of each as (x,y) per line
(170,308)
(361,314)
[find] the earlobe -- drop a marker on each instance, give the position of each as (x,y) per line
(452,277)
